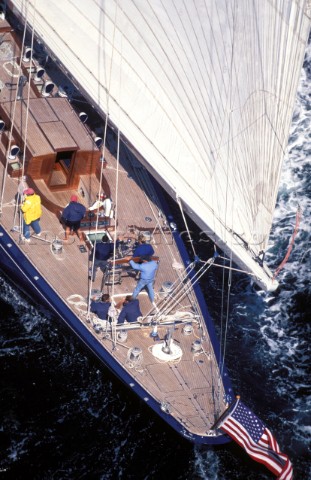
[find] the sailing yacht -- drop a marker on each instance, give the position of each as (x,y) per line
(126,98)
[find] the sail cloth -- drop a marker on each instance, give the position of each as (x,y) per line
(251,434)
(204,91)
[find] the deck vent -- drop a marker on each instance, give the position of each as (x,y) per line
(14,152)
(47,88)
(27,54)
(98,141)
(39,74)
(83,117)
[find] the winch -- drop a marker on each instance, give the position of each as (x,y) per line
(57,246)
(122,336)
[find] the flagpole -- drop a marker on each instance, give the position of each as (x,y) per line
(223,417)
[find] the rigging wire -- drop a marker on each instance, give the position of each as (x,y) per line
(222,312)
(185,289)
(13,112)
(27,104)
(113,310)
(165,305)
(116,211)
(196,258)
(186,225)
(103,150)
(224,325)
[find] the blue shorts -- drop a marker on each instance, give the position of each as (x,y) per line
(73,225)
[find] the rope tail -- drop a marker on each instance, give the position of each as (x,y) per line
(291,244)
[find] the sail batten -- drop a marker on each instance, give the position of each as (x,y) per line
(203,90)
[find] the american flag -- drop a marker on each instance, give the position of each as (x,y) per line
(251,434)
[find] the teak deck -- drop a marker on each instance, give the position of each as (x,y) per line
(189,388)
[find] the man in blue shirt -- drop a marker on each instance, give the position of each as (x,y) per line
(101,253)
(148,270)
(143,248)
(130,311)
(101,308)
(72,216)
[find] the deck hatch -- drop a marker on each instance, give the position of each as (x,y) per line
(58,136)
(41,110)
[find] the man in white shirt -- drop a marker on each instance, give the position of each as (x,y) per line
(105,203)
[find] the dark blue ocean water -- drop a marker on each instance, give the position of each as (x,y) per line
(64,415)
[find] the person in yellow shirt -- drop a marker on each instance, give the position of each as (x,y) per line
(31,208)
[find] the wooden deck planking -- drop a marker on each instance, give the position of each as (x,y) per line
(188,384)
(73,262)
(165,377)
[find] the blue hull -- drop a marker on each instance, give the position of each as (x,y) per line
(21,271)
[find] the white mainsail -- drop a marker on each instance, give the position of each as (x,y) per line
(204,90)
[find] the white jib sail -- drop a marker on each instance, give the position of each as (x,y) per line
(203,89)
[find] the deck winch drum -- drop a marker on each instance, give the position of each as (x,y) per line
(135,353)
(147,236)
(196,346)
(167,286)
(57,246)
(102,326)
(166,289)
(188,329)
(122,336)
